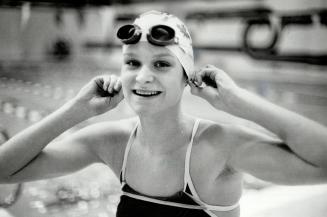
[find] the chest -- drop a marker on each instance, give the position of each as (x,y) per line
(164,175)
(152,174)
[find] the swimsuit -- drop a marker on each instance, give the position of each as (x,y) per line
(185,203)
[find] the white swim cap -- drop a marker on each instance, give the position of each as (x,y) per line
(182,49)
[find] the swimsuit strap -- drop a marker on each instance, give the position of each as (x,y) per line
(188,180)
(128,147)
(188,153)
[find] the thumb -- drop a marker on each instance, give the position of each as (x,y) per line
(118,97)
(205,92)
(194,88)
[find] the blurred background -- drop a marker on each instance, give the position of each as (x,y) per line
(49,49)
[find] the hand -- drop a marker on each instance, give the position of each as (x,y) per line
(101,94)
(214,85)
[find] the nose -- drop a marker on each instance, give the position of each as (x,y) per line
(144,75)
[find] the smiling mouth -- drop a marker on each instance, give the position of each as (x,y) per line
(146,93)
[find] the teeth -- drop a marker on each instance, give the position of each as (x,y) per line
(146,92)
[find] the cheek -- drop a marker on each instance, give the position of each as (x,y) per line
(176,88)
(126,76)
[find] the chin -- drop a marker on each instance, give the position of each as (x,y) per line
(146,107)
(144,110)
(143,106)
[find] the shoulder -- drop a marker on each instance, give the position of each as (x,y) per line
(234,133)
(108,139)
(218,133)
(232,140)
(105,135)
(112,129)
(216,139)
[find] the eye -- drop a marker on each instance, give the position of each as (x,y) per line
(161,64)
(132,63)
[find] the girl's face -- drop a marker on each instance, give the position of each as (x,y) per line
(152,78)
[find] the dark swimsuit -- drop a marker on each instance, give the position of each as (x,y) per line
(185,203)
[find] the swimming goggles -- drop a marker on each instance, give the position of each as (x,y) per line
(160,35)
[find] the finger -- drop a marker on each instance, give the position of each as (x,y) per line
(209,72)
(209,82)
(209,77)
(203,75)
(194,88)
(118,85)
(192,76)
(113,81)
(106,83)
(97,83)
(208,93)
(198,77)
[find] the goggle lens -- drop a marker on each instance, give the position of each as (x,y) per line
(159,35)
(129,34)
(162,33)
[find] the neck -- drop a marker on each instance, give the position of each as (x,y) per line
(163,132)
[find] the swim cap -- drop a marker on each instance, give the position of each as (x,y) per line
(182,49)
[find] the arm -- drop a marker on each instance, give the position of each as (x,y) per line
(306,139)
(271,160)
(25,151)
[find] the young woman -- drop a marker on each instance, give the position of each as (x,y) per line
(170,163)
